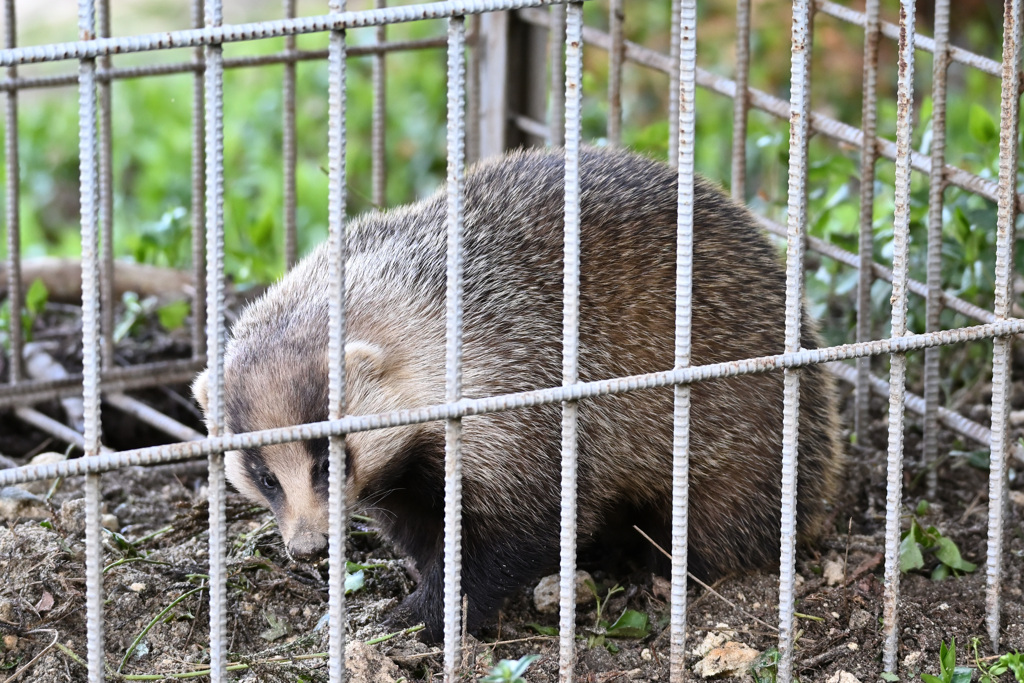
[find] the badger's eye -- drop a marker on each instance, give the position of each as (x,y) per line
(269,481)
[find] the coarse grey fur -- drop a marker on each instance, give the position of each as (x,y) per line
(276,374)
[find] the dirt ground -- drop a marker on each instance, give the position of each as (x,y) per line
(156,603)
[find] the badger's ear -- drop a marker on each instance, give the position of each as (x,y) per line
(199,388)
(364,358)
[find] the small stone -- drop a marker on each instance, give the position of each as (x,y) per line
(842,677)
(944,606)
(71,517)
(17,503)
(1017,498)
(852,646)
(42,486)
(756,605)
(137,587)
(860,619)
(912,661)
(835,615)
(545,595)
(110,522)
(7,612)
(731,659)
(367,664)
(833,572)
(646,655)
(712,639)
(10,642)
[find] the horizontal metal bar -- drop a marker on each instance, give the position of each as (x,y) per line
(115,380)
(890,30)
(54,428)
(881,272)
(153,417)
(481,406)
(231,33)
(106,75)
(952,419)
(832,128)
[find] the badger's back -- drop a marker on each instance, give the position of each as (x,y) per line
(513,330)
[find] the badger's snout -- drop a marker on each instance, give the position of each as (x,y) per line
(306,542)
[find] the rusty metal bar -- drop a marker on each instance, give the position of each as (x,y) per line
(741,105)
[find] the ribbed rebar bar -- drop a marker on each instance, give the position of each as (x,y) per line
(671,67)
(288,144)
(866,239)
(616,58)
(741,103)
(570,339)
(106,194)
(934,301)
(799,124)
(453,350)
(378,167)
(198,199)
(687,132)
(1002,359)
(337,199)
(89,203)
(898,361)
(215,340)
(12,191)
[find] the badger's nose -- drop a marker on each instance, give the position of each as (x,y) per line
(307,543)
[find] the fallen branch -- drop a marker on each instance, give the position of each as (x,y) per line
(63,279)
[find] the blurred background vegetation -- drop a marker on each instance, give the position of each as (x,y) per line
(152,146)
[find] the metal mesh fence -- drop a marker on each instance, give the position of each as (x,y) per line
(94,52)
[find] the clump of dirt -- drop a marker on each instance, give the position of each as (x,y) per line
(156,565)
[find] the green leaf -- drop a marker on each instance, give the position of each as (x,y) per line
(631,624)
(36,297)
(173,315)
(544,630)
(981,126)
(922,507)
(891,677)
(949,555)
(910,554)
(962,674)
(940,573)
(928,678)
(354,582)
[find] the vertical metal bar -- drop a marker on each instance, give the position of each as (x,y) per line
(336,201)
(198,192)
(868,156)
(616,55)
(556,105)
(686,125)
(1002,358)
(473,90)
(570,337)
(89,198)
(215,341)
(291,249)
(898,362)
(379,160)
(106,190)
(741,103)
(12,190)
(799,123)
(453,349)
(936,185)
(673,83)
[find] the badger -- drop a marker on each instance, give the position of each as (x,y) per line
(276,374)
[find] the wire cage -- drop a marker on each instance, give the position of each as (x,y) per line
(517,87)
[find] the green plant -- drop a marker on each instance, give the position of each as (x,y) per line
(766,667)
(949,672)
(510,670)
(36,297)
(918,540)
(1013,663)
(630,624)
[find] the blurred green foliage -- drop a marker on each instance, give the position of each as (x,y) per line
(153,140)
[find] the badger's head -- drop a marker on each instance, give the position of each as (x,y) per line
(276,386)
